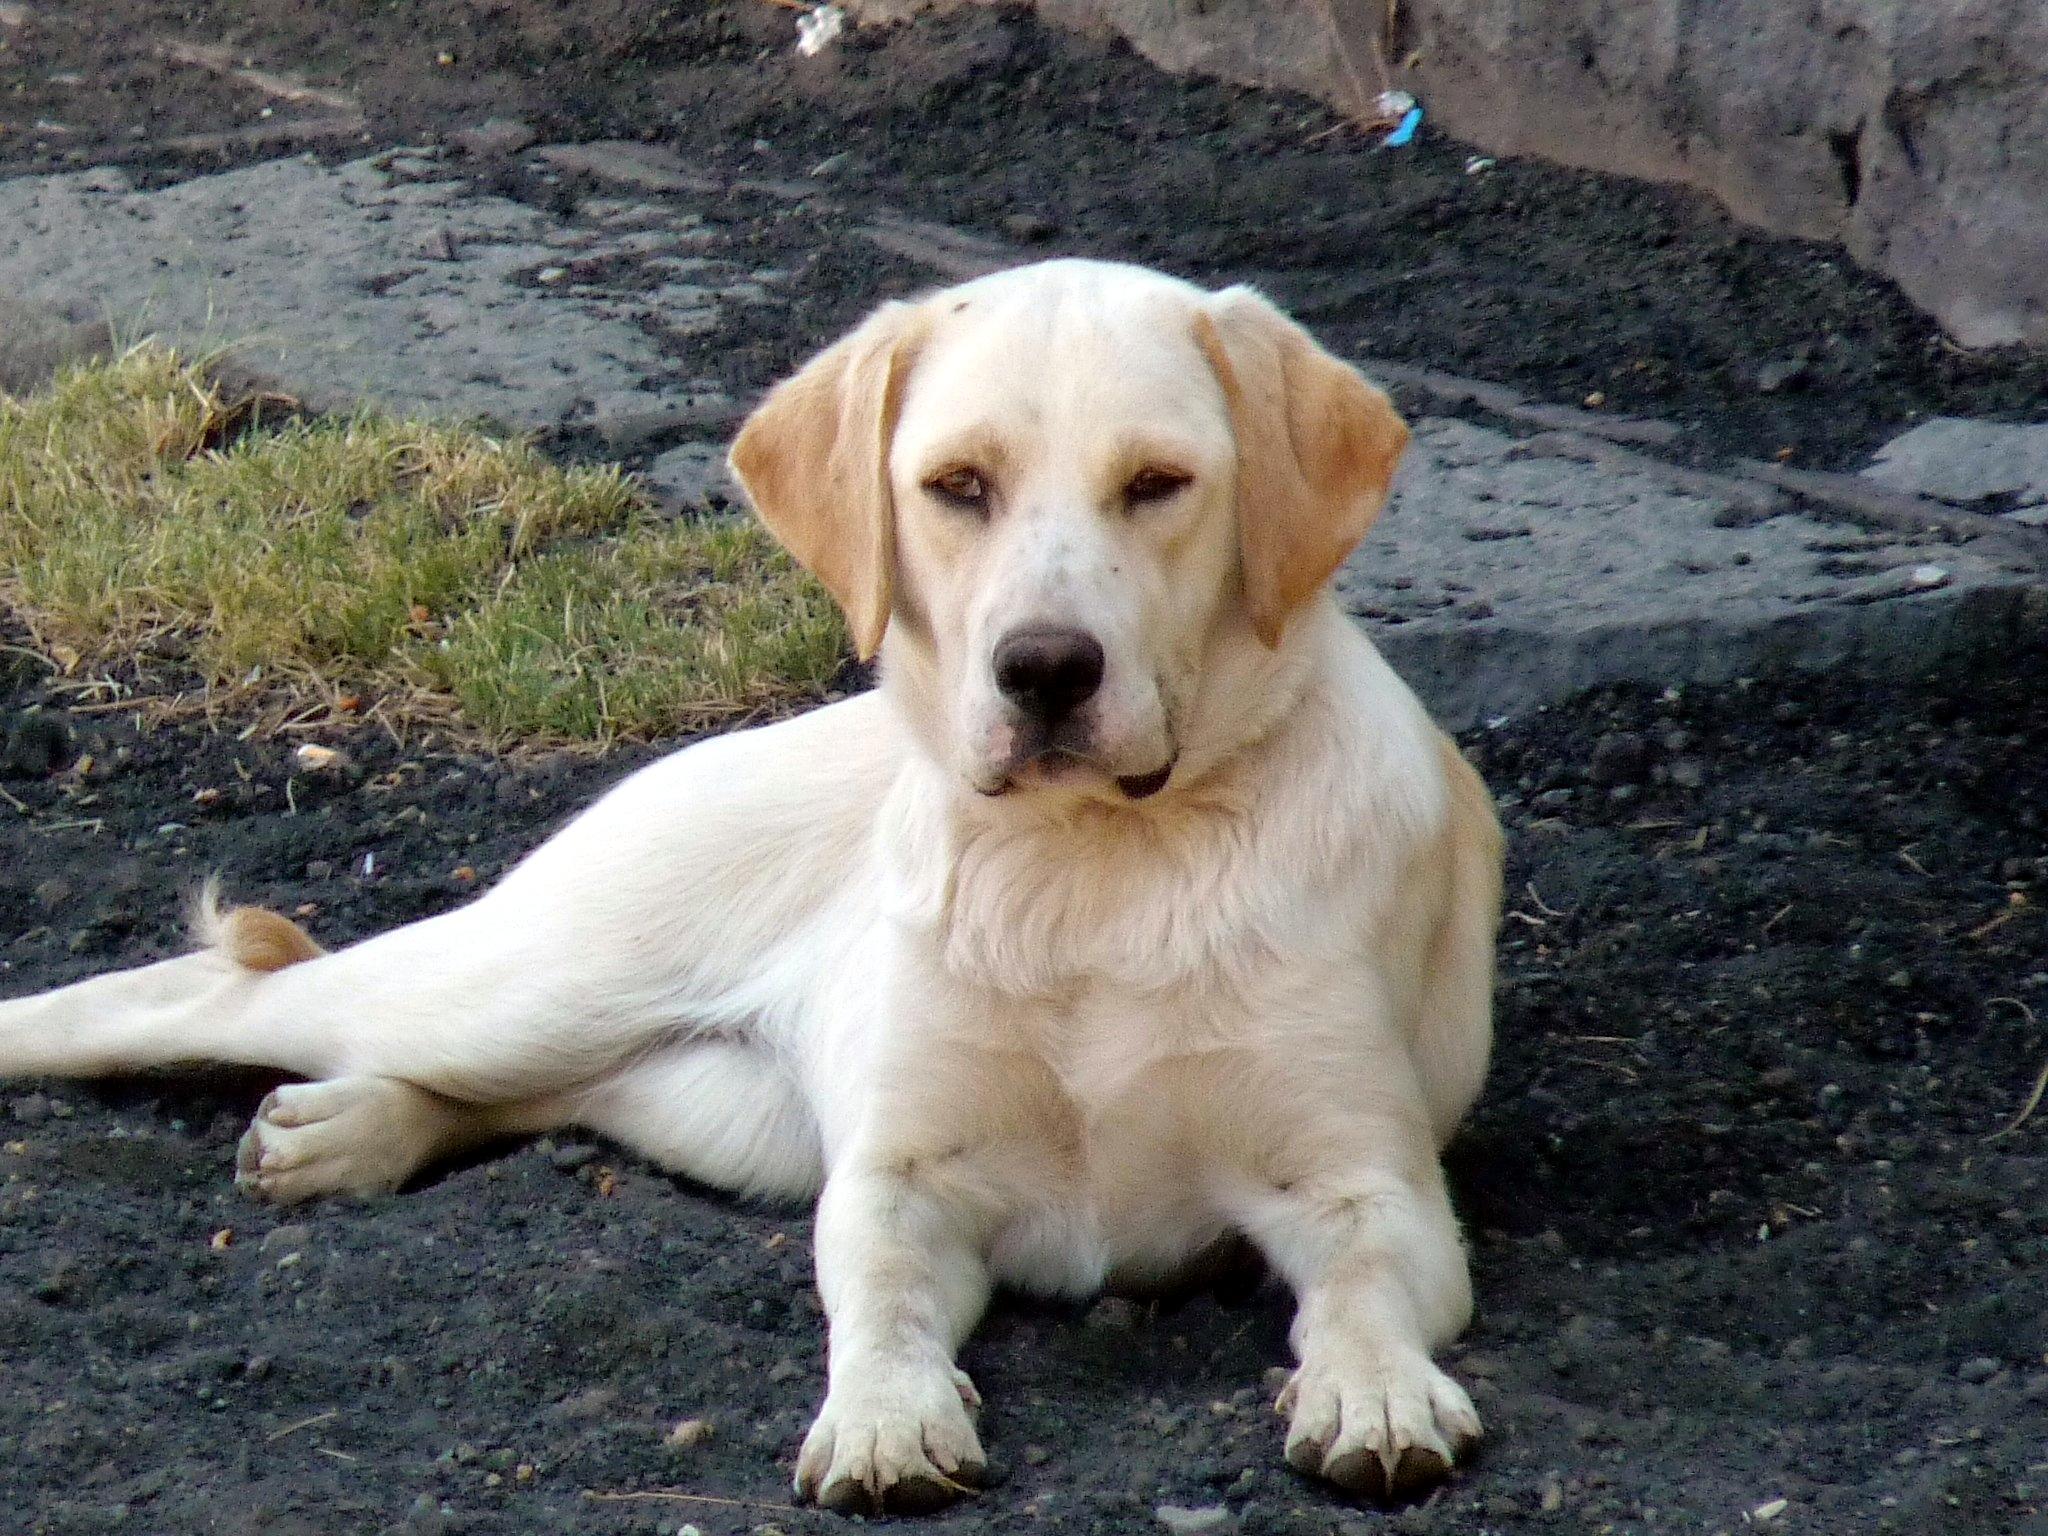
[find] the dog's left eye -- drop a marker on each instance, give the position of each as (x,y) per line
(964,488)
(1153,485)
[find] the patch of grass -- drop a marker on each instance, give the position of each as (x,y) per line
(430,572)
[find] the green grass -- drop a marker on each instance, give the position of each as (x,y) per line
(430,573)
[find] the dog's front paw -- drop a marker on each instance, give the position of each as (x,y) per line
(1388,1426)
(902,1442)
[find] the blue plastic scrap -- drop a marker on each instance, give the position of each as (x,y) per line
(1404,131)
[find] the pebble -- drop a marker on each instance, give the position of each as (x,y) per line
(1688,773)
(286,1239)
(573,1156)
(688,1434)
(1208,1520)
(1551,1500)
(1620,757)
(1782,374)
(31,1109)
(1981,1369)
(1029,227)
(1113,1312)
(494,136)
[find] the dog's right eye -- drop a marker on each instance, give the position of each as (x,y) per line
(962,488)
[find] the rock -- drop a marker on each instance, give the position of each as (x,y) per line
(1782,374)
(1031,228)
(688,1434)
(286,1239)
(1688,773)
(31,1109)
(494,136)
(1114,1312)
(1620,757)
(1961,461)
(1208,1520)
(36,341)
(691,477)
(37,746)
(573,1156)
(1979,1370)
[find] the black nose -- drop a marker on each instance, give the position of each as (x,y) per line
(1049,673)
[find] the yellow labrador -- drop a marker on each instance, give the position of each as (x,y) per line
(1140,906)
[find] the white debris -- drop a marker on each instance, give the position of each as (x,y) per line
(1928,577)
(817,28)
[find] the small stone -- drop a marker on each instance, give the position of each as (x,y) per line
(37,746)
(31,1109)
(1688,773)
(1979,1370)
(784,1370)
(575,1155)
(494,136)
(1036,1455)
(688,1434)
(1554,799)
(1782,374)
(1208,1520)
(1620,757)
(1927,578)
(286,1239)
(1113,1312)
(1031,228)
(1551,1500)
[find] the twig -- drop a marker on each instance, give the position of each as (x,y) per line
(104,705)
(221,62)
(1779,916)
(2040,1082)
(673,1496)
(322,1450)
(2013,909)
(1541,905)
(4,795)
(293,1429)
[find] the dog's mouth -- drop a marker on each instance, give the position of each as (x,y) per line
(1059,765)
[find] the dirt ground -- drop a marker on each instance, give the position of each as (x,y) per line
(1771,982)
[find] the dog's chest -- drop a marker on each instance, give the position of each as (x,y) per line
(1135,1206)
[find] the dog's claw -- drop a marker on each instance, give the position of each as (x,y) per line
(906,1447)
(1386,1431)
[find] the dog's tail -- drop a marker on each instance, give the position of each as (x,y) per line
(255,938)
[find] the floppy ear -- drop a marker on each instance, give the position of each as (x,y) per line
(1316,450)
(814,460)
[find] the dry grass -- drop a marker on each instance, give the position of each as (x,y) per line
(430,572)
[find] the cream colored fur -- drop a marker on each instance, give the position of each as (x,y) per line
(1013,1015)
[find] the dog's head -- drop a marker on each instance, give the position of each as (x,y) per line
(1058,491)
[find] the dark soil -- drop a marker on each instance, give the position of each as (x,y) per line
(1772,977)
(1566,283)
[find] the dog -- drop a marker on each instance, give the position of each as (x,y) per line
(1140,907)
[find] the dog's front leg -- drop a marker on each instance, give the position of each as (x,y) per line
(962,1143)
(902,1270)
(1348,1203)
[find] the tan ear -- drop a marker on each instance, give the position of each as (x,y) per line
(814,460)
(1316,451)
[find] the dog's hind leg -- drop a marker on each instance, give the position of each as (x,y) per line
(720,1111)
(176,1011)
